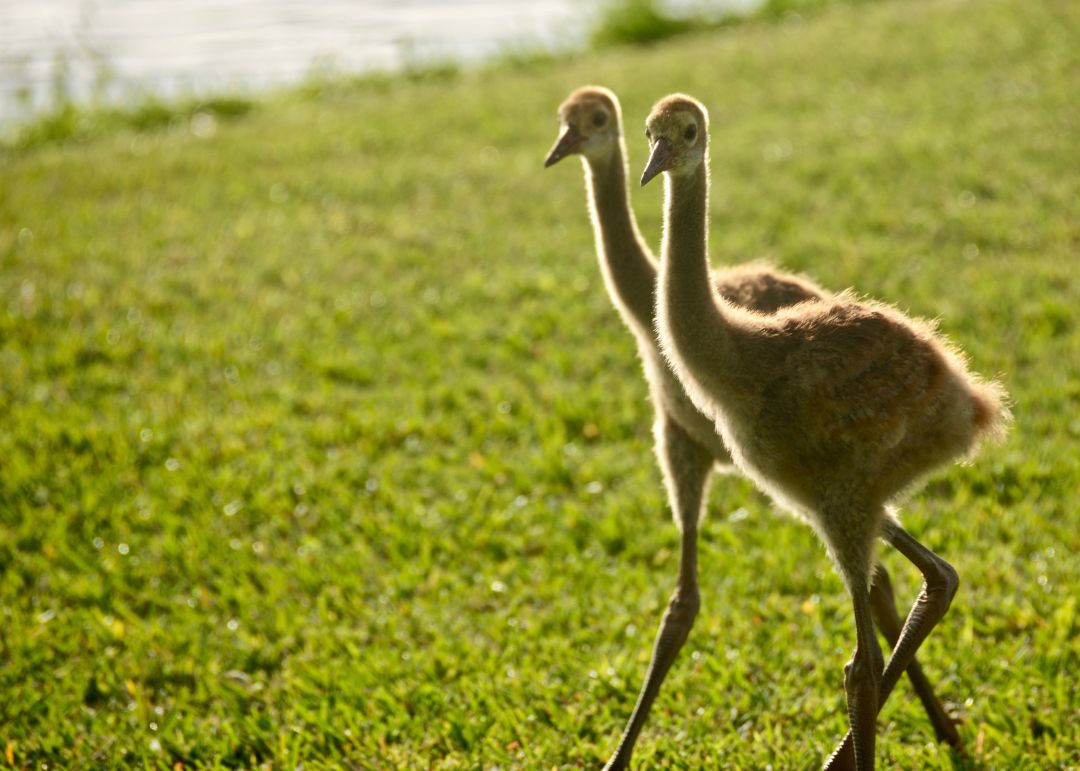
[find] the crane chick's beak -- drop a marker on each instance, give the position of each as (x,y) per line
(660,160)
(568,143)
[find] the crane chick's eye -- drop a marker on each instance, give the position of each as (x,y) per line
(599,119)
(690,133)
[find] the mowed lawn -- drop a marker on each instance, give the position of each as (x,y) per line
(320,441)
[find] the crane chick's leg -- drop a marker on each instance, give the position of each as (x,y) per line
(934,599)
(862,678)
(889,623)
(686,466)
(930,606)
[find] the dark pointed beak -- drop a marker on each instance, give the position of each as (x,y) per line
(660,160)
(568,143)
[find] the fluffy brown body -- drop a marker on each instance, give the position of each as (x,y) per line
(833,407)
(837,405)
(688,443)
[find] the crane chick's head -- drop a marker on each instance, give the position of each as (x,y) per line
(588,124)
(678,131)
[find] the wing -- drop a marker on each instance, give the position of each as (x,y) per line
(861,373)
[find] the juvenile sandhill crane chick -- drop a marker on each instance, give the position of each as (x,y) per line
(833,408)
(687,446)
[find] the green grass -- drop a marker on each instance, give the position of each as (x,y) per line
(639,22)
(320,441)
(68,122)
(644,22)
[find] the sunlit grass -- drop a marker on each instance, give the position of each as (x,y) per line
(320,441)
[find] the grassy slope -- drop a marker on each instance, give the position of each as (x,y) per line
(320,440)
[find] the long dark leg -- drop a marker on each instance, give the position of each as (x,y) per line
(862,677)
(930,606)
(889,623)
(686,466)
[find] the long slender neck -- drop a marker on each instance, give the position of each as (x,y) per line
(629,269)
(693,327)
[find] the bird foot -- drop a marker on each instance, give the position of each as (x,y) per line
(947,728)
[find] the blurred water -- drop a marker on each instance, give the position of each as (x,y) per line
(53,50)
(116,48)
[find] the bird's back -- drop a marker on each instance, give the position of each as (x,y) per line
(856,380)
(858,373)
(761,288)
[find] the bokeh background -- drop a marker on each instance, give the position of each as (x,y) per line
(321,443)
